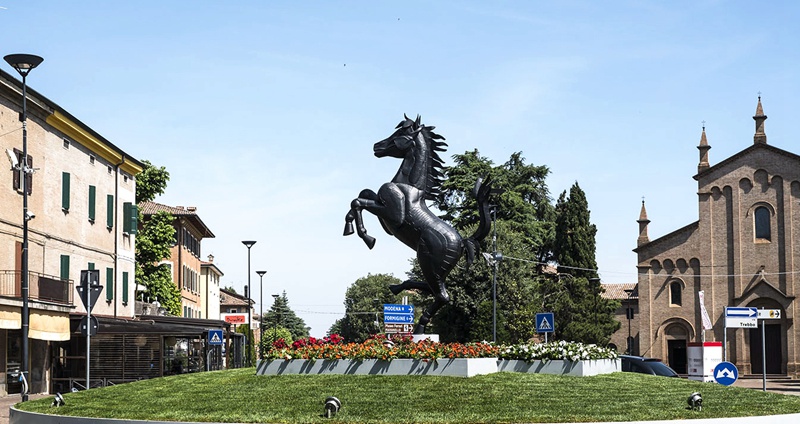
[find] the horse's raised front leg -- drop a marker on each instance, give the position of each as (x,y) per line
(365,199)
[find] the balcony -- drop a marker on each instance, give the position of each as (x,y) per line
(47,288)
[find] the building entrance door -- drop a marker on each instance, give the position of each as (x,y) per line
(676,352)
(773,346)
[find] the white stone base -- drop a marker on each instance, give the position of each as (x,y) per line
(460,367)
(559,367)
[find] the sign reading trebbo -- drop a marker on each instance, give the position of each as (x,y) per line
(741,317)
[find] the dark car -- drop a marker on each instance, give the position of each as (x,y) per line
(646,365)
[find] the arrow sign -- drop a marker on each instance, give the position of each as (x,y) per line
(398,309)
(398,319)
(740,312)
(725,373)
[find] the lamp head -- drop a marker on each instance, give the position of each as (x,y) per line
(58,400)
(249,243)
(261,273)
(23,63)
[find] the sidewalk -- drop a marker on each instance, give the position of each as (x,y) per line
(776,385)
(7,402)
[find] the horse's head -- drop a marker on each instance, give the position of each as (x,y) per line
(397,144)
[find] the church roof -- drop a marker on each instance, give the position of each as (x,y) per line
(744,153)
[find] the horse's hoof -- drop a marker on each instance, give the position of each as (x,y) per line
(396,288)
(370,241)
(348,229)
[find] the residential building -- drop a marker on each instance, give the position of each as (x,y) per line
(210,276)
(184,259)
(82,195)
(743,251)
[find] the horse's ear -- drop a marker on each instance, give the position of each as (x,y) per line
(419,119)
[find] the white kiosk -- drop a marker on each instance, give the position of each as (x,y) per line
(702,358)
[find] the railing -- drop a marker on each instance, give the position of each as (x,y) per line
(40,286)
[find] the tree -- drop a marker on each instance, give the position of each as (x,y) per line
(583,313)
(270,336)
(154,240)
(281,315)
(363,306)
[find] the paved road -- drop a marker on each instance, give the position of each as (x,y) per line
(784,386)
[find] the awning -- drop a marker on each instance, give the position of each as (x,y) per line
(47,325)
(10,317)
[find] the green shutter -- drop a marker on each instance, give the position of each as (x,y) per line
(64,267)
(109,284)
(130,218)
(92,201)
(124,288)
(134,219)
(65,191)
(90,265)
(110,211)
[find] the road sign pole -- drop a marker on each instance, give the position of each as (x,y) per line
(88,303)
(763,355)
(724,343)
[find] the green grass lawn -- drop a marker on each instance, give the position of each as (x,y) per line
(241,396)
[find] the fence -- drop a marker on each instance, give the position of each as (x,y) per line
(44,287)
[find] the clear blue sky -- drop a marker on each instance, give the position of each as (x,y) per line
(265,113)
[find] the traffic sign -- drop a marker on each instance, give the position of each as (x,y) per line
(398,309)
(738,317)
(398,328)
(725,373)
(214,337)
(90,282)
(90,330)
(398,319)
(769,314)
(545,322)
(731,311)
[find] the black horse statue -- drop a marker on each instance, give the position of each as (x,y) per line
(400,206)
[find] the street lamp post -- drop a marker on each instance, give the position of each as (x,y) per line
(24,63)
(249,244)
(261,312)
(629,316)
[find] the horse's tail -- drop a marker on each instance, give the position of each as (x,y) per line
(482,190)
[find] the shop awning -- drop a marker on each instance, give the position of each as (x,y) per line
(47,325)
(10,317)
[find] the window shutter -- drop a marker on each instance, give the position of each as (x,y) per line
(65,191)
(29,176)
(90,265)
(92,202)
(134,219)
(109,284)
(130,217)
(110,211)
(64,268)
(124,288)
(18,172)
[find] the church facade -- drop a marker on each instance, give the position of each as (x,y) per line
(743,251)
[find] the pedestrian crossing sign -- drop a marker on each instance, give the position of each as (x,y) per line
(545,322)
(214,337)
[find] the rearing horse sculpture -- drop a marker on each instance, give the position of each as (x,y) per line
(400,206)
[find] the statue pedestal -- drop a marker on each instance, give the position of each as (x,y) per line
(419,337)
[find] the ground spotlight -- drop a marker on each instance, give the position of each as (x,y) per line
(332,406)
(695,401)
(388,344)
(58,400)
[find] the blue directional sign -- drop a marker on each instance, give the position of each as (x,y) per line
(726,373)
(398,319)
(398,309)
(545,322)
(215,337)
(732,311)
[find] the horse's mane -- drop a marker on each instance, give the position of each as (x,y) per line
(435,178)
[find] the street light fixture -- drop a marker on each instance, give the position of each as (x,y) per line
(261,312)
(249,244)
(24,63)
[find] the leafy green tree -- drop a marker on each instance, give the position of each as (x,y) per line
(271,335)
(363,305)
(281,315)
(584,315)
(154,240)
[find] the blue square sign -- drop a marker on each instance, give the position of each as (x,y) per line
(545,322)
(214,337)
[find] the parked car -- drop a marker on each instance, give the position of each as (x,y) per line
(646,365)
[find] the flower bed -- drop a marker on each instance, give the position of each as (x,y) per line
(380,355)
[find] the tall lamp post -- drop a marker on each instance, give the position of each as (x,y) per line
(24,63)
(261,312)
(249,244)
(629,316)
